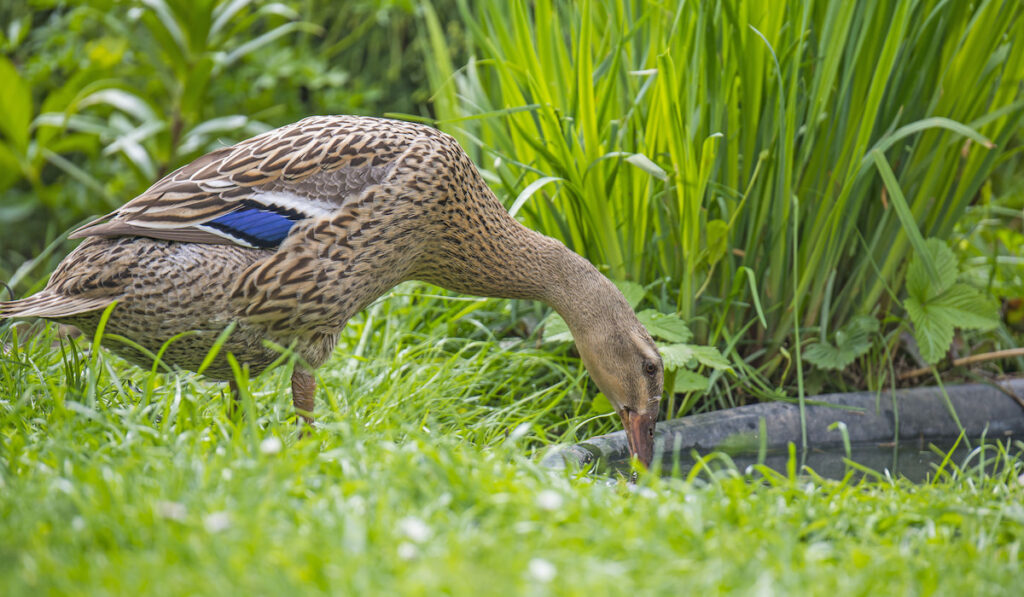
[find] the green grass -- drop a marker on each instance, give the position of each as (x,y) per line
(422,479)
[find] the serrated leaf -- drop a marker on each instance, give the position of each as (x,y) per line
(709,356)
(932,331)
(919,284)
(825,356)
(689,381)
(556,330)
(633,292)
(967,308)
(959,306)
(851,341)
(677,356)
(666,326)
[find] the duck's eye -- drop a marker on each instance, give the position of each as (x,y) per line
(650,368)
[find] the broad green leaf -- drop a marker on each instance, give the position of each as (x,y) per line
(677,356)
(825,356)
(919,284)
(967,308)
(15,107)
(935,315)
(633,292)
(689,381)
(932,331)
(556,330)
(709,356)
(666,326)
(851,341)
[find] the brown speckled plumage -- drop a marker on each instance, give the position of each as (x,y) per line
(366,203)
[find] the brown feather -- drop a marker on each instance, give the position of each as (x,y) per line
(188,235)
(46,304)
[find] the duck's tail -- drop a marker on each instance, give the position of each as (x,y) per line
(51,305)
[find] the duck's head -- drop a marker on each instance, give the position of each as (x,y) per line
(624,363)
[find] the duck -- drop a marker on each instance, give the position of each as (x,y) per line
(278,240)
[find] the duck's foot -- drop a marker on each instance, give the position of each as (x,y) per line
(303,390)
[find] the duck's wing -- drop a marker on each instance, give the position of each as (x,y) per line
(251,194)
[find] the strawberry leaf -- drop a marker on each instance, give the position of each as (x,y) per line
(665,326)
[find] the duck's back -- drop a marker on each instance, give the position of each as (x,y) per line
(163,289)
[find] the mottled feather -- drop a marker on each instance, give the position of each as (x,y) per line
(303,170)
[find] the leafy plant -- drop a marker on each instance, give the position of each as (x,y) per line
(938,304)
(852,340)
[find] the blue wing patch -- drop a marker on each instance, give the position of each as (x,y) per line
(259,227)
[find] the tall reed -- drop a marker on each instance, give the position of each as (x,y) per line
(725,145)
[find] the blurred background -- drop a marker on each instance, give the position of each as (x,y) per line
(766,171)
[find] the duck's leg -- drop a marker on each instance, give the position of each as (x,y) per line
(303,390)
(236,400)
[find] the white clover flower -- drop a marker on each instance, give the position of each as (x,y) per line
(216,522)
(542,570)
(171,510)
(271,445)
(549,500)
(414,528)
(407,551)
(521,431)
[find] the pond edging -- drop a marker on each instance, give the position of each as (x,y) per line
(922,413)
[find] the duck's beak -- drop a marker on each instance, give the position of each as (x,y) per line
(639,434)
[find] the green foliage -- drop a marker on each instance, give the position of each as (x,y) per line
(666,326)
(937,306)
(733,145)
(851,341)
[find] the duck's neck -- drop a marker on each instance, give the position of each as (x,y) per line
(496,256)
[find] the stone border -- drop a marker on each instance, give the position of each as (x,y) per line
(922,413)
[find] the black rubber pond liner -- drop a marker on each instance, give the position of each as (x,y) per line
(923,415)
